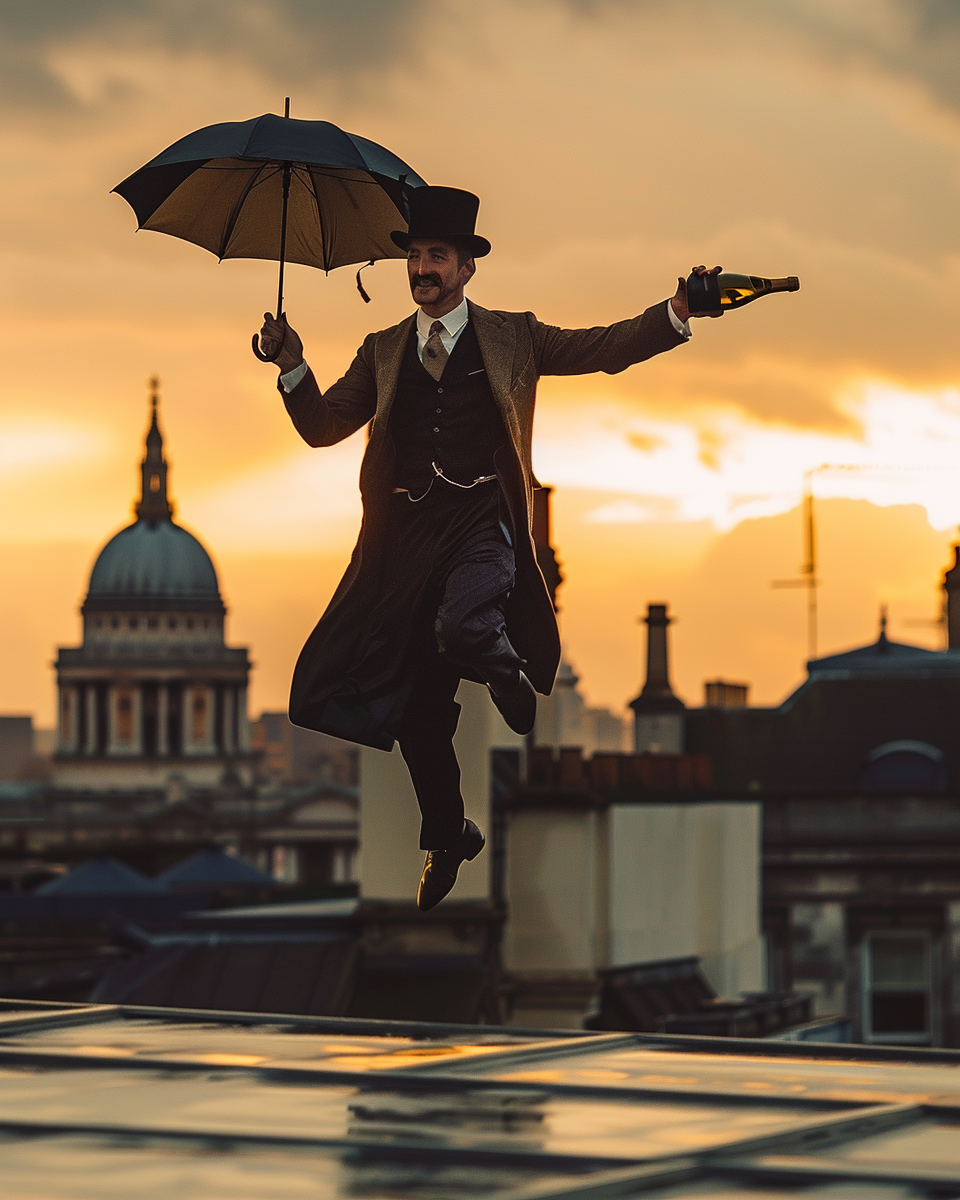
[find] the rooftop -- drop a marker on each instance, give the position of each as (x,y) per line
(113,1101)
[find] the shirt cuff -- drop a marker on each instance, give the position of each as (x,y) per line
(289,381)
(682,327)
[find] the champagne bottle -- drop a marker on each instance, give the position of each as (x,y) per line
(716,293)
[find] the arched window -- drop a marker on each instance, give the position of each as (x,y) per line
(904,766)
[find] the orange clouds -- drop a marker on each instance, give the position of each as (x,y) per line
(613,145)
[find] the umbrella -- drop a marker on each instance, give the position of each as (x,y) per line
(276,188)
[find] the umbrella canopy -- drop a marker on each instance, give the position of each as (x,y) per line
(222,188)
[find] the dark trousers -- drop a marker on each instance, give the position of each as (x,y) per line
(455,544)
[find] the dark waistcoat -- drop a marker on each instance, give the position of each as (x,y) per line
(453,422)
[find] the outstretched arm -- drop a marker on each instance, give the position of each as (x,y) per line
(321,418)
(613,348)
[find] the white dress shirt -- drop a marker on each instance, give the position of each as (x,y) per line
(454,324)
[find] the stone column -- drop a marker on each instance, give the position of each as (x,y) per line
(68,720)
(91,706)
(186,695)
(243,721)
(163,715)
(228,698)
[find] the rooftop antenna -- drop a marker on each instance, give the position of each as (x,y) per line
(808,571)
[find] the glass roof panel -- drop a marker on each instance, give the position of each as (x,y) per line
(92,1167)
(796,1078)
(238,1103)
(711,1187)
(240,1045)
(923,1144)
(140,1104)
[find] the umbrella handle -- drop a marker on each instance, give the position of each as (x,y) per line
(283,253)
(259,353)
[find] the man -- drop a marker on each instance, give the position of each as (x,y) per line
(443,584)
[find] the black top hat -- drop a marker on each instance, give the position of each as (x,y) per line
(445,213)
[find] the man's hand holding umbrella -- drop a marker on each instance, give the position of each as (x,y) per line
(281,343)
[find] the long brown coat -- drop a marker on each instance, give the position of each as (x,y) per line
(516,349)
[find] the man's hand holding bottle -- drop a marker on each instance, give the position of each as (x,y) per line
(680,301)
(710,293)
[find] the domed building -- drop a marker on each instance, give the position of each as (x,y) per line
(153,697)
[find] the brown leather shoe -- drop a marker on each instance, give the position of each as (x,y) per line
(441,867)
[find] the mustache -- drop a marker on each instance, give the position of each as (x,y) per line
(425,281)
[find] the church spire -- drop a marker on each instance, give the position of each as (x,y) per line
(153,505)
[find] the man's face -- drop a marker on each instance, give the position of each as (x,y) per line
(434,272)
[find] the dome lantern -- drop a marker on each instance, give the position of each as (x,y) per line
(154,564)
(154,505)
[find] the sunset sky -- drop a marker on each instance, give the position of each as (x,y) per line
(614,145)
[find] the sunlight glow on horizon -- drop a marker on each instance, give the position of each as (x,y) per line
(732,468)
(25,448)
(723,468)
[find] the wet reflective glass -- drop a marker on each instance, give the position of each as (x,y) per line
(134,1103)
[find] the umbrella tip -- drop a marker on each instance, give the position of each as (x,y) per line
(286,107)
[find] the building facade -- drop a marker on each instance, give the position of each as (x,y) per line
(858,774)
(153,696)
(155,757)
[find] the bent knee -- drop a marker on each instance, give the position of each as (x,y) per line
(452,638)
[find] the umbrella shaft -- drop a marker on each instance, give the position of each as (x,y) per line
(283,236)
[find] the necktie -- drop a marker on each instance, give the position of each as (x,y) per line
(434,352)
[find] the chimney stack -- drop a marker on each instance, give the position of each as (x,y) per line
(951,588)
(658,713)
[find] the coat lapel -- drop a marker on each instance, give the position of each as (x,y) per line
(388,357)
(498,343)
(497,339)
